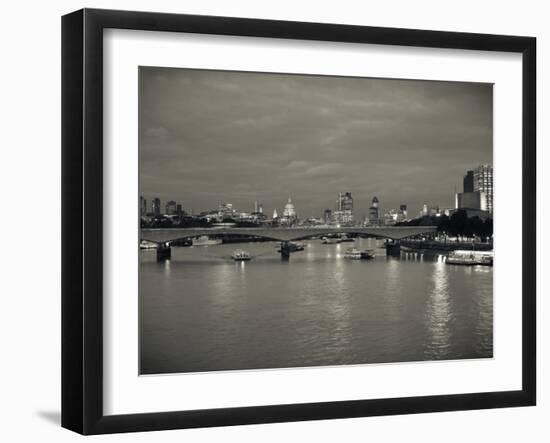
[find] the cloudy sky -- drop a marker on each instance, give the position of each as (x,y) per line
(208,137)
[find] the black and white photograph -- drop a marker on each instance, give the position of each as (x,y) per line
(243,222)
(297,220)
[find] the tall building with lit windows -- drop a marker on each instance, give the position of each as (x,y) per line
(344,202)
(155,206)
(374,212)
(483,182)
(344,209)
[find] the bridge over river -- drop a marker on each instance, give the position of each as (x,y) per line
(163,237)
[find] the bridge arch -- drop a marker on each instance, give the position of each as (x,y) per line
(212,234)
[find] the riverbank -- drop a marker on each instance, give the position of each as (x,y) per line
(437,246)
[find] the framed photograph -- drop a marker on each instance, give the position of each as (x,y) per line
(268,221)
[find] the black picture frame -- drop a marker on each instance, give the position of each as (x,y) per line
(82,218)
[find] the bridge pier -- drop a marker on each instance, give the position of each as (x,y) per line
(285,250)
(393,247)
(164,252)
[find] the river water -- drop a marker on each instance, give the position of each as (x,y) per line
(200,311)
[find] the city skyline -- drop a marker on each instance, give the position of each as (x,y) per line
(208,137)
(344,205)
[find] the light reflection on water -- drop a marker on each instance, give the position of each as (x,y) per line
(438,313)
(201,311)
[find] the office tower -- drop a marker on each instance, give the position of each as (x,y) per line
(171,207)
(344,209)
(142,206)
(468,182)
(344,202)
(374,211)
(483,182)
(471,200)
(156,206)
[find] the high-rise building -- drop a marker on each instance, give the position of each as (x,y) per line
(471,200)
(171,207)
(425,210)
(142,206)
(155,206)
(483,182)
(344,209)
(374,212)
(255,206)
(179,209)
(327,216)
(343,217)
(394,216)
(468,182)
(344,202)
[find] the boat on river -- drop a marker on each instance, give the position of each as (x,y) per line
(470,258)
(240,255)
(330,240)
(357,254)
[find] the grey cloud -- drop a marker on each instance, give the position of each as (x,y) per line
(212,136)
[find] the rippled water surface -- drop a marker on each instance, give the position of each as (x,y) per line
(200,311)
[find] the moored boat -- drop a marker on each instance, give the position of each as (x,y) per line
(470,258)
